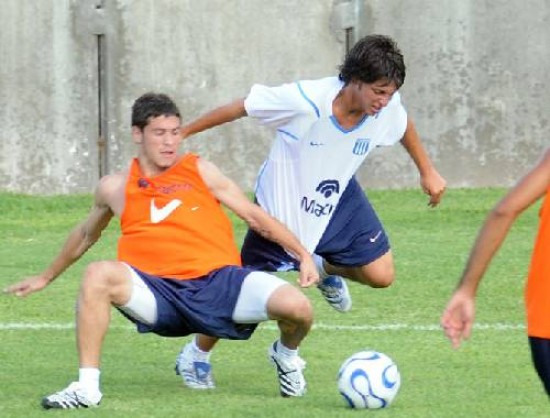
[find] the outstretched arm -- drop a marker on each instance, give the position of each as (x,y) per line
(218,116)
(431,181)
(79,240)
(458,316)
(227,192)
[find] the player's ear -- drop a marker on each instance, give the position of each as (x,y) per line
(137,134)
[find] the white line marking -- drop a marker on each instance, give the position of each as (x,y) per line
(29,326)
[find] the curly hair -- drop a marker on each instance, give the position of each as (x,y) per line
(151,105)
(373,58)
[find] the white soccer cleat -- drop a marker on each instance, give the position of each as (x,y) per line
(289,372)
(72,397)
(195,374)
(335,291)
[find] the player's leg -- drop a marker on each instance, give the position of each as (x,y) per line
(294,316)
(354,246)
(333,287)
(378,273)
(293,313)
(105,283)
(193,362)
(264,296)
(540,353)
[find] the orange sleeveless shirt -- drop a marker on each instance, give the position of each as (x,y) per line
(172,226)
(537,293)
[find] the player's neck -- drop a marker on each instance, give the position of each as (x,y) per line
(149,169)
(346,110)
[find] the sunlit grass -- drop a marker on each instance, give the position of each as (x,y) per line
(490,376)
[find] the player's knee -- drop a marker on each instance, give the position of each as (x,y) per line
(97,277)
(385,280)
(379,277)
(291,306)
(298,309)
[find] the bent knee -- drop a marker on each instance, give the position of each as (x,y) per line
(103,274)
(383,281)
(379,276)
(303,309)
(290,304)
(299,307)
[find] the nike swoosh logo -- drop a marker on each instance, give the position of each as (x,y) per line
(160,214)
(373,239)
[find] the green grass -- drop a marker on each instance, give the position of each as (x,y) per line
(490,376)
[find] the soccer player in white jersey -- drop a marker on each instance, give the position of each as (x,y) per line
(324,130)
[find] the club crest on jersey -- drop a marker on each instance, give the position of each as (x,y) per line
(326,188)
(361,146)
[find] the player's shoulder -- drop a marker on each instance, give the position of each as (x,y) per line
(114,180)
(395,100)
(394,108)
(111,186)
(318,94)
(320,87)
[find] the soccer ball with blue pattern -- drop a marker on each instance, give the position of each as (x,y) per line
(369,379)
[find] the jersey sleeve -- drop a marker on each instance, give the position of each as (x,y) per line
(396,116)
(274,106)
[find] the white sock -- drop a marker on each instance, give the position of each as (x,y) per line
(88,377)
(198,354)
(320,268)
(285,351)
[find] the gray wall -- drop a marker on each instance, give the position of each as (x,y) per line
(476,83)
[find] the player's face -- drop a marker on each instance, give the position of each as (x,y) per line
(375,96)
(159,140)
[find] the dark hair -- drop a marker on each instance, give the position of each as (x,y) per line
(373,58)
(152,105)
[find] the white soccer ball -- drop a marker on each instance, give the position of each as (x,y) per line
(369,379)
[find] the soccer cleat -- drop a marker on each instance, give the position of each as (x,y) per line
(335,291)
(289,372)
(72,397)
(195,374)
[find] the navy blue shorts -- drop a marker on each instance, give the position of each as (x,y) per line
(204,305)
(354,237)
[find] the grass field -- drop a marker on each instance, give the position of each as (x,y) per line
(490,376)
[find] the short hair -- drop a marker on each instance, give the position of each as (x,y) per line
(151,105)
(373,58)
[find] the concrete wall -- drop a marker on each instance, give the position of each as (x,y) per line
(476,83)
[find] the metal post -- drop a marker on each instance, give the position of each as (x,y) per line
(102,143)
(348,21)
(103,127)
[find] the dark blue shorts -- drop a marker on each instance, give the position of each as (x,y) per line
(204,305)
(354,237)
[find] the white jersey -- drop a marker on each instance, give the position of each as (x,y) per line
(313,158)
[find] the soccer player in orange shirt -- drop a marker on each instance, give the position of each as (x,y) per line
(178,270)
(458,316)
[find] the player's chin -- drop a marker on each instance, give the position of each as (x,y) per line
(167,160)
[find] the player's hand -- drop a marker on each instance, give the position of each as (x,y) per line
(433,184)
(309,275)
(458,318)
(27,286)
